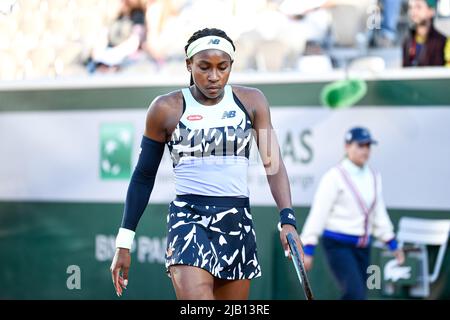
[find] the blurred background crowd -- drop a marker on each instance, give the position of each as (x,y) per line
(62,38)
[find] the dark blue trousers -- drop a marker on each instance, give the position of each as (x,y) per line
(349,266)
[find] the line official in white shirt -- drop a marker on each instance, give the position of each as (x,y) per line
(347,212)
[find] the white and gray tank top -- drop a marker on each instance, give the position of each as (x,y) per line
(210,147)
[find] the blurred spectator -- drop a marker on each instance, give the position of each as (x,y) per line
(136,36)
(124,40)
(424,46)
(348,30)
(387,35)
(310,17)
(161,14)
(278,45)
(349,25)
(178,19)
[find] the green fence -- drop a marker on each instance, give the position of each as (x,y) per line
(39,241)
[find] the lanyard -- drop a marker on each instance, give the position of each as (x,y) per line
(362,242)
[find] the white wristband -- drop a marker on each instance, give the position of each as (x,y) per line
(124,238)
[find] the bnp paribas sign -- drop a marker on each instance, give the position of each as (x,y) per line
(116,145)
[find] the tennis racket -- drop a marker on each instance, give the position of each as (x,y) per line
(299,267)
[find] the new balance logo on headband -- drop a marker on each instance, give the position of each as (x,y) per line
(210,42)
(229,114)
(214,41)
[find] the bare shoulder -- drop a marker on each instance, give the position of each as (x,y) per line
(167,103)
(163,115)
(253,100)
(250,95)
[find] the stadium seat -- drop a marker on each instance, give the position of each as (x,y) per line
(271,55)
(443,25)
(422,233)
(349,33)
(369,64)
(442,19)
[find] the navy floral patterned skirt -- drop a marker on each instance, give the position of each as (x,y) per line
(212,233)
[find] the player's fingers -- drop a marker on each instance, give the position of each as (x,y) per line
(112,276)
(125,277)
(400,256)
(284,243)
(116,281)
(287,253)
(300,246)
(302,254)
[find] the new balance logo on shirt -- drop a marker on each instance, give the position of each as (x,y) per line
(229,114)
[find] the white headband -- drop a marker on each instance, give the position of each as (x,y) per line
(210,42)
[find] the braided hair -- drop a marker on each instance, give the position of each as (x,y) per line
(204,33)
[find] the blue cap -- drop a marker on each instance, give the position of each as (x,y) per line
(359,135)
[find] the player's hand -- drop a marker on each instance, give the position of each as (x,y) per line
(308,262)
(119,269)
(400,256)
(285,229)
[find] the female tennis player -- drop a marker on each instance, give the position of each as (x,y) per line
(208,128)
